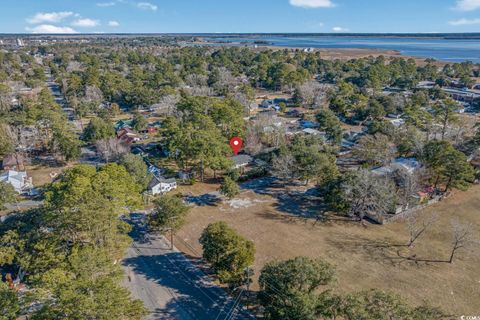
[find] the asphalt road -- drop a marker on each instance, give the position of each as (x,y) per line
(169,284)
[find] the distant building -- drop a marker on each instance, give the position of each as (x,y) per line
(120,124)
(18,179)
(397,122)
(313,132)
(127,135)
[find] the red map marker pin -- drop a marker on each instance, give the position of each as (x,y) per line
(236,144)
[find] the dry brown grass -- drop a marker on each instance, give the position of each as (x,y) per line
(363,255)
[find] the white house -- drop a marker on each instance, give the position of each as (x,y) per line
(19,180)
(160,185)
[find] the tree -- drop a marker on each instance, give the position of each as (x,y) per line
(139,122)
(88,288)
(476,138)
(463,237)
(457,171)
(289,288)
(331,125)
(227,252)
(137,168)
(7,143)
(312,162)
(375,305)
(368,193)
(408,184)
(7,194)
(9,303)
(98,129)
(417,228)
(70,247)
(445,112)
(292,290)
(375,150)
(111,149)
(447,165)
(169,213)
(283,166)
(229,188)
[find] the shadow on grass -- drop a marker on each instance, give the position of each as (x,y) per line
(208,199)
(382,250)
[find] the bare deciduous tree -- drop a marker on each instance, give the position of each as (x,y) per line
(196,80)
(416,228)
(408,184)
(93,95)
(253,144)
(111,149)
(369,194)
(225,80)
(167,104)
(463,237)
(375,150)
(283,167)
(311,94)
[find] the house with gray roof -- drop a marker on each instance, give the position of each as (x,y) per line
(160,185)
(241,160)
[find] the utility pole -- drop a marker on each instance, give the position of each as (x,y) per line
(249,273)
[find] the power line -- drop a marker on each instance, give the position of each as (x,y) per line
(235,304)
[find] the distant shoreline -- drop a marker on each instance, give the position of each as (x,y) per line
(445,36)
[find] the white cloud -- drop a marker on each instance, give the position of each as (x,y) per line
(48,28)
(339,29)
(147,6)
(52,17)
(113,23)
(85,23)
(467,5)
(106,4)
(464,22)
(312,3)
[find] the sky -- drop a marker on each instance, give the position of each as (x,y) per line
(238,16)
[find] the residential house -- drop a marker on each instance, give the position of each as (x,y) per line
(120,124)
(127,135)
(18,179)
(409,164)
(160,185)
(241,161)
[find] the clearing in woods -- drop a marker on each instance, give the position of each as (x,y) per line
(363,255)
